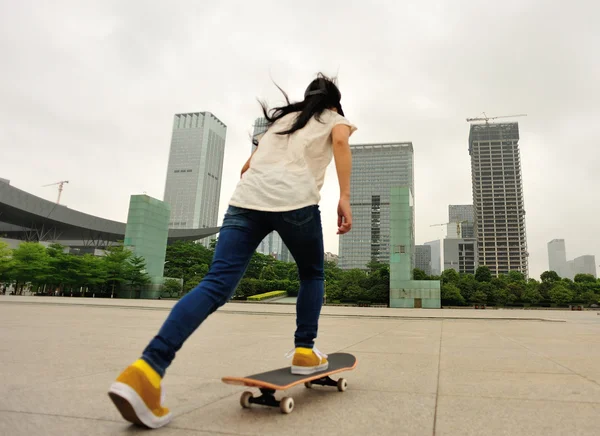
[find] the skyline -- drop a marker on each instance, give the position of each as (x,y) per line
(110,94)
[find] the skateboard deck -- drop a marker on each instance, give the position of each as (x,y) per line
(282,379)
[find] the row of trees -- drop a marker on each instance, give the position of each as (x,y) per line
(513,289)
(191,261)
(50,270)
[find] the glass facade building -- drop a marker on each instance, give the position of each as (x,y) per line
(376,168)
(195,170)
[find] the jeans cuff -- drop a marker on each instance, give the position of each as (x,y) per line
(153,365)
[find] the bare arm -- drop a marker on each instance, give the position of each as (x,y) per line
(247,164)
(343,164)
(343,157)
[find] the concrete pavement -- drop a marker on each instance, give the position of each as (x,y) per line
(420,372)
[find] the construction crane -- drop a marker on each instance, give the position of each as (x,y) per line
(60,188)
(458,226)
(487,119)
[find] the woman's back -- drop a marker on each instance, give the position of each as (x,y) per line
(288,171)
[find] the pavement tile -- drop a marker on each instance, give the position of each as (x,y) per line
(321,411)
(527,386)
(491,416)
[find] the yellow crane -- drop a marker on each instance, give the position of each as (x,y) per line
(458,226)
(60,188)
(487,119)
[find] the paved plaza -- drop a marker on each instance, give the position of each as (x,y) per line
(420,372)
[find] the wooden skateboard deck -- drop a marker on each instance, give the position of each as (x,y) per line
(282,379)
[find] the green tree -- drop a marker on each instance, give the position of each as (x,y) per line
(419,274)
(561,295)
(117,267)
(30,264)
(549,276)
(93,274)
(257,262)
(268,273)
(487,289)
(584,278)
(531,295)
(5,261)
(516,289)
(171,289)
(380,293)
(590,297)
(479,297)
(483,274)
(450,276)
(515,276)
(467,285)
(136,274)
(502,296)
(374,265)
(451,294)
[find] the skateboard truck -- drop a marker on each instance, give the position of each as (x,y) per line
(341,384)
(267,398)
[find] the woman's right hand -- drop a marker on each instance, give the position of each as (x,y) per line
(344,216)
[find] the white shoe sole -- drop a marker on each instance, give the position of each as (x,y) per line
(308,370)
(132,407)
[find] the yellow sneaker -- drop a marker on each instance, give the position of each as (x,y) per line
(307,361)
(137,394)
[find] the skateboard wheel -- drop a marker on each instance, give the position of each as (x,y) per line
(245,399)
(308,385)
(286,405)
(342,384)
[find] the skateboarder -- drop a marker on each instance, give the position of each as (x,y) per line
(279,191)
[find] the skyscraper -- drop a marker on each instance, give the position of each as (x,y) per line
(272,245)
(423,258)
(436,257)
(585,265)
(376,168)
(194,171)
(498,197)
(557,257)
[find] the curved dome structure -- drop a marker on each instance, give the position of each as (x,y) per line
(27,217)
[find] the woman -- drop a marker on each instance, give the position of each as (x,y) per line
(278,191)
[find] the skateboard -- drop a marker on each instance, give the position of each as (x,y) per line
(282,379)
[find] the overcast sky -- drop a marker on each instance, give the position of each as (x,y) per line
(88,91)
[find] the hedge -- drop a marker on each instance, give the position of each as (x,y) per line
(249,287)
(267,295)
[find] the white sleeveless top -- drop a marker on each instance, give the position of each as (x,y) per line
(287,171)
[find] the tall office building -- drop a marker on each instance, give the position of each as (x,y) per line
(195,170)
(272,245)
(376,168)
(423,258)
(498,197)
(436,257)
(557,257)
(461,219)
(585,265)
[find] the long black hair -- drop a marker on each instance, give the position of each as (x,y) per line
(322,93)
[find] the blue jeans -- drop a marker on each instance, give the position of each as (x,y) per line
(240,234)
